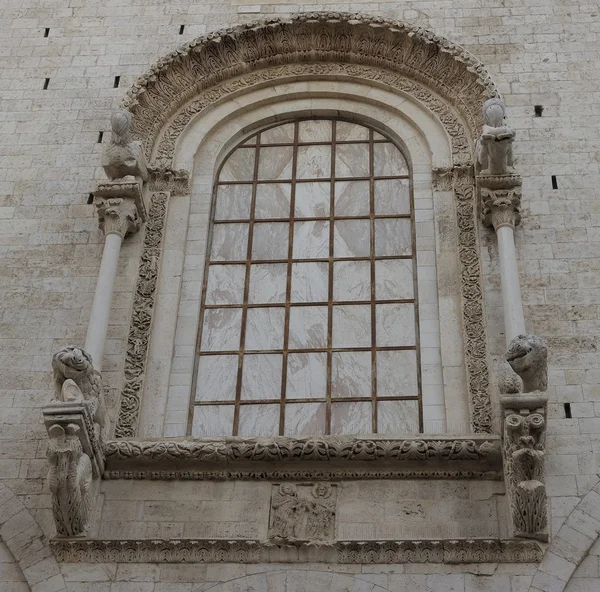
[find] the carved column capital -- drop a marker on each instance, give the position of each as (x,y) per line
(120,206)
(500,200)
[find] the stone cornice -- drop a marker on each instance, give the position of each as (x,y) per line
(341,552)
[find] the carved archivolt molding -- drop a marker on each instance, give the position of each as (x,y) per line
(356,39)
(343,552)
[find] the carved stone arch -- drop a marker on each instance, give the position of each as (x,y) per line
(386,51)
(23,536)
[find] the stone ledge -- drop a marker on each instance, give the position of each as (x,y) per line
(327,457)
(253,551)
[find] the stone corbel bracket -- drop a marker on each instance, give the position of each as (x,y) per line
(304,459)
(524,449)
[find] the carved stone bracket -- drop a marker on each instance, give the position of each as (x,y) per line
(524,449)
(120,206)
(500,198)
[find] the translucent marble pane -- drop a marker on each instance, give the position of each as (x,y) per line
(217,378)
(275,163)
(239,166)
(270,240)
(308,327)
(352,198)
(213,420)
(351,374)
(396,373)
(221,329)
(351,280)
(267,283)
(351,326)
(352,160)
(229,242)
(311,240)
(392,196)
(388,160)
(345,131)
(398,417)
(304,419)
(352,238)
(307,376)
(250,141)
(314,162)
(281,134)
(225,284)
(394,279)
(261,377)
(395,325)
(393,237)
(233,202)
(272,200)
(314,130)
(309,282)
(313,199)
(351,418)
(259,420)
(264,328)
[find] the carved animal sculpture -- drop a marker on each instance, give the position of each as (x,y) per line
(509,383)
(74,365)
(70,479)
(528,357)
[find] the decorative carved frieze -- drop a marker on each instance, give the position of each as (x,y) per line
(341,552)
(166,179)
(141,321)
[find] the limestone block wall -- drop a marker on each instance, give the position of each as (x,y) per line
(65,68)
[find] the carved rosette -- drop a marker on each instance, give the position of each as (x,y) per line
(500,199)
(523,450)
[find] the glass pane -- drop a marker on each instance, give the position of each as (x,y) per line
(264,328)
(217,378)
(311,240)
(239,166)
(225,284)
(350,131)
(313,199)
(309,282)
(304,419)
(351,418)
(351,374)
(221,329)
(392,196)
(212,420)
(275,163)
(394,279)
(352,198)
(396,373)
(229,242)
(282,134)
(261,378)
(267,282)
(259,420)
(308,327)
(270,240)
(352,160)
(393,237)
(351,280)
(352,326)
(233,202)
(352,238)
(314,130)
(314,162)
(272,200)
(398,417)
(388,160)
(307,376)
(395,325)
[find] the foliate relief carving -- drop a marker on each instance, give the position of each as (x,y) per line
(141,322)
(316,37)
(70,480)
(500,207)
(166,179)
(117,215)
(302,512)
(524,449)
(528,357)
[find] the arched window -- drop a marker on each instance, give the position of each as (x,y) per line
(309,318)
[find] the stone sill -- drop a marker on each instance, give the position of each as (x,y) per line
(325,457)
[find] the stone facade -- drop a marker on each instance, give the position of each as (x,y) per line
(431,514)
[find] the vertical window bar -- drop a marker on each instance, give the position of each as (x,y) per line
(373,295)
